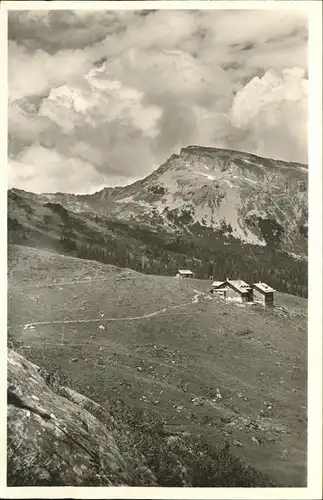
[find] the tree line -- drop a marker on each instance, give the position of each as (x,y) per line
(220,260)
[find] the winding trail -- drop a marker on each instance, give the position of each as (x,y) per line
(195,300)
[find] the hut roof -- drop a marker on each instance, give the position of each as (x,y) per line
(239,285)
(263,287)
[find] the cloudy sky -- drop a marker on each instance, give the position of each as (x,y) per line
(103,98)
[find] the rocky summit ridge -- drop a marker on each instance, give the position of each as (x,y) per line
(208,187)
(211,187)
(214,211)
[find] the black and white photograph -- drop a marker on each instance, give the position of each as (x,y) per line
(157,247)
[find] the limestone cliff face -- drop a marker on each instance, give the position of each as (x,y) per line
(207,187)
(211,186)
(61,437)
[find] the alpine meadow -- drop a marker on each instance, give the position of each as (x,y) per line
(157,248)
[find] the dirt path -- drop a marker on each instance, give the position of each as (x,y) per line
(126,318)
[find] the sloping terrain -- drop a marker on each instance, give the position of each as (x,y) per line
(62,437)
(210,187)
(247,218)
(156,345)
(255,200)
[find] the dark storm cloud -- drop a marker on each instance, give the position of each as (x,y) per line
(57,30)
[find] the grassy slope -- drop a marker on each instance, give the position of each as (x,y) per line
(138,247)
(253,356)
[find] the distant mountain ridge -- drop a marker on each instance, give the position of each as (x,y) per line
(205,208)
(210,186)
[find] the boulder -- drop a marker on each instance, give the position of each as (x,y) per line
(57,438)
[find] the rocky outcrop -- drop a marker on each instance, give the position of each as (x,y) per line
(61,438)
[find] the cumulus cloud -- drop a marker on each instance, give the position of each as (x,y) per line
(64,30)
(24,125)
(272,110)
(42,170)
(117,92)
(99,101)
(33,73)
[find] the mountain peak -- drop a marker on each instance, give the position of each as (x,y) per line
(204,187)
(230,153)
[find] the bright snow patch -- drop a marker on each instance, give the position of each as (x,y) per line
(129,199)
(249,180)
(210,177)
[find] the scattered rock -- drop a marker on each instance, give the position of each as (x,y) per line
(197,401)
(237,443)
(255,440)
(101,327)
(139,368)
(225,419)
(74,359)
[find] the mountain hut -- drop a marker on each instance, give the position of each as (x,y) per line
(184,273)
(233,289)
(263,293)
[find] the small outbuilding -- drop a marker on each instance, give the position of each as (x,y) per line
(218,290)
(263,293)
(234,290)
(184,273)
